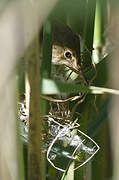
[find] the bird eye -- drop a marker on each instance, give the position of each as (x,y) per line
(68,54)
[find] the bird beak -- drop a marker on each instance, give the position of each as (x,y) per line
(76,66)
(77,69)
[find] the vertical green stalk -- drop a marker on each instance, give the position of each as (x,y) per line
(96,56)
(38,107)
(46,59)
(47,50)
(97,41)
(88,31)
(46,68)
(35,165)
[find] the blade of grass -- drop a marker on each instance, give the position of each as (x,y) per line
(46,69)
(55,87)
(97,41)
(47,50)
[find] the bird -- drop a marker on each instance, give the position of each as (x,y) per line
(66,47)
